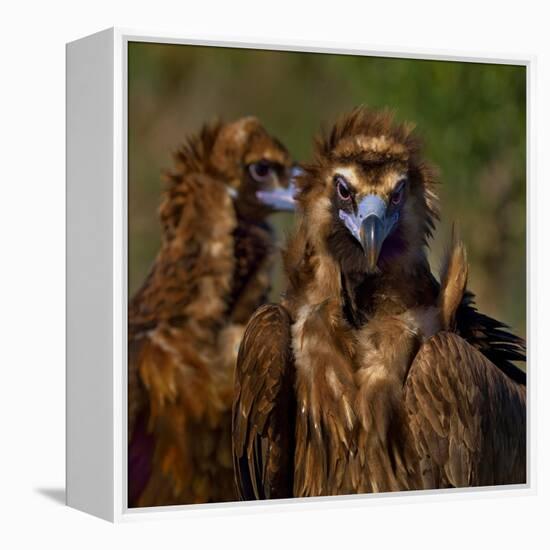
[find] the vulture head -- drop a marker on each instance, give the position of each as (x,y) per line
(256,166)
(368,197)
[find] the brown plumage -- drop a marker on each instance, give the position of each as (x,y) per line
(186,321)
(371,376)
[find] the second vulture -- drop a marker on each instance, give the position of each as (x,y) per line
(186,321)
(371,375)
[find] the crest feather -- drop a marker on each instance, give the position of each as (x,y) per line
(347,138)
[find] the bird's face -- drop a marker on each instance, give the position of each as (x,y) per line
(369,209)
(258,168)
(268,181)
(368,199)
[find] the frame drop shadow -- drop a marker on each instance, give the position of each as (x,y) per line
(56,494)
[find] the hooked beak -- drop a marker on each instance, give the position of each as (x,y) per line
(281,198)
(370,226)
(371,237)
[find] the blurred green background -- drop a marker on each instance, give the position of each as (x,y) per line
(472,118)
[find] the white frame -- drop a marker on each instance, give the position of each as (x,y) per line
(97,297)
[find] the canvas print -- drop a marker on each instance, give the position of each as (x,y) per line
(327,274)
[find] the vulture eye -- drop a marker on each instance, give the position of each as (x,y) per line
(260,171)
(397,195)
(342,188)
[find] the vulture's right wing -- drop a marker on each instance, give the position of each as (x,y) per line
(467,418)
(264,408)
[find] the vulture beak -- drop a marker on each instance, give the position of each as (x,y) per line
(281,198)
(370,225)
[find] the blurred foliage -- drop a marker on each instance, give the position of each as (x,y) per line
(472,117)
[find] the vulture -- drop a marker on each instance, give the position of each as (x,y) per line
(371,375)
(186,321)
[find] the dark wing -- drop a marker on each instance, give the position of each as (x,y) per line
(491,338)
(140,440)
(264,408)
(467,419)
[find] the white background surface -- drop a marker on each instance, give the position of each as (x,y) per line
(32,187)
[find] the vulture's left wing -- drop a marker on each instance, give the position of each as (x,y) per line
(492,338)
(264,407)
(467,418)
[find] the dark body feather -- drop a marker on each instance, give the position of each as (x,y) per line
(398,382)
(186,321)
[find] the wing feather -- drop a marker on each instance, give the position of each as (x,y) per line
(264,407)
(467,418)
(492,338)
